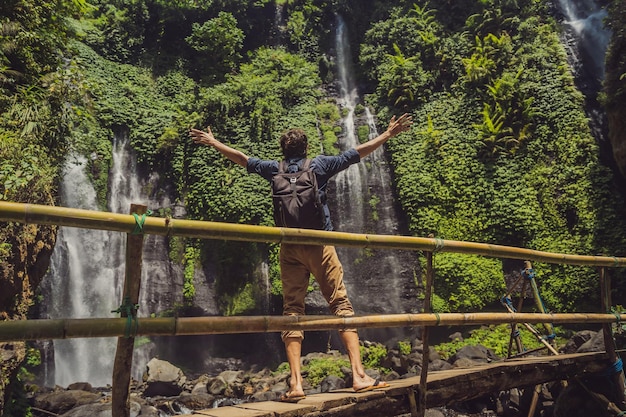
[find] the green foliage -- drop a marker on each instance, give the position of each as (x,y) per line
(372,355)
(494,337)
(219,40)
(373,203)
(191,262)
(26,174)
(467,282)
(242,302)
(319,368)
(404,347)
(17,403)
(328,116)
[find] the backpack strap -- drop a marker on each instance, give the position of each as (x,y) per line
(282,166)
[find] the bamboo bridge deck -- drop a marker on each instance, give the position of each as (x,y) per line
(444,388)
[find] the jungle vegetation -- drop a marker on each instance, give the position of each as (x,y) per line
(501,150)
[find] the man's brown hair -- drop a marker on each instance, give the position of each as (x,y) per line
(294,143)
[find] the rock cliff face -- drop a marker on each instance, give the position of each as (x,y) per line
(617,137)
(613,87)
(28,248)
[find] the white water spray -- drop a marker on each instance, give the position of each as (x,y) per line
(586,19)
(365,204)
(87,270)
(83,282)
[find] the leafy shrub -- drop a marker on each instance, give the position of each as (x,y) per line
(319,368)
(494,337)
(372,355)
(467,282)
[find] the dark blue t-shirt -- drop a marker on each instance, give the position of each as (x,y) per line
(324,167)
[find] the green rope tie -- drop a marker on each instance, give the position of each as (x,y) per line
(622,414)
(617,316)
(438,318)
(139,221)
(131,317)
(438,245)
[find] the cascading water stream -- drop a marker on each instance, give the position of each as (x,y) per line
(586,40)
(87,270)
(82,282)
(379,281)
(591,38)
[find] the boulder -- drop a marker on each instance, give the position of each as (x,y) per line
(59,402)
(473,353)
(196,401)
(577,340)
(332,382)
(163,379)
(100,410)
(595,344)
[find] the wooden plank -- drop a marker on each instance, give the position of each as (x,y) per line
(233,411)
(279,408)
(444,387)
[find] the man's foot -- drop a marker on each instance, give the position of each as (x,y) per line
(374,385)
(292,397)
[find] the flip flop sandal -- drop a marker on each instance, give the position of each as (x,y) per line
(376,385)
(286,398)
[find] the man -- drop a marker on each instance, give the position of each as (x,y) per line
(297,261)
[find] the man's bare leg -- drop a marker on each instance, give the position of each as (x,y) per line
(360,379)
(293,347)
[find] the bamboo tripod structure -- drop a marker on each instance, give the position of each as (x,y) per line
(67,328)
(528,277)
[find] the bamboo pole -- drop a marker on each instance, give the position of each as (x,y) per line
(123,363)
(18,330)
(430,275)
(609,342)
(62,216)
(535,290)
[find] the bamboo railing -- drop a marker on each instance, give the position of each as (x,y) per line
(62,216)
(129,327)
(179,326)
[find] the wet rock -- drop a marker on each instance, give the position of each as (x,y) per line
(439,365)
(59,402)
(100,410)
(80,386)
(217,386)
(473,354)
(265,396)
(575,402)
(163,379)
(594,344)
(332,382)
(577,340)
(196,401)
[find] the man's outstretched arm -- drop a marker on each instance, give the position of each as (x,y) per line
(207,138)
(403,123)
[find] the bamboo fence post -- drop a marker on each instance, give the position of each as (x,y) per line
(132,283)
(609,342)
(518,338)
(430,273)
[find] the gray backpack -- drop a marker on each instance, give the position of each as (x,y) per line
(296,198)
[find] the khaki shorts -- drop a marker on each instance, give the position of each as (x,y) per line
(297,262)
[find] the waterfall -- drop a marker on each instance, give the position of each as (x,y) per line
(586,40)
(378,281)
(82,282)
(87,270)
(591,38)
